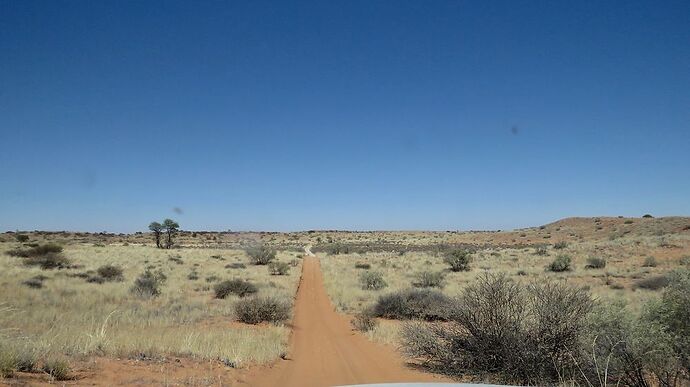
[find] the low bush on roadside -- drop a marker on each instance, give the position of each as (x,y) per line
(499,327)
(372,280)
(278,268)
(257,309)
(238,287)
(261,255)
(364,321)
(553,334)
(424,304)
(595,263)
(428,279)
(560,264)
(148,284)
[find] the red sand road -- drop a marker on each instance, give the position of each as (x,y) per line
(325,351)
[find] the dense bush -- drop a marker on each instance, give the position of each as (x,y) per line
(148,284)
(428,279)
(595,263)
(458,260)
(110,273)
(22,238)
(652,283)
(516,333)
(561,263)
(36,251)
(256,309)
(424,304)
(261,255)
(48,261)
(278,268)
(237,287)
(372,280)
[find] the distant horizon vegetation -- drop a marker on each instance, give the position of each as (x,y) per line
(182,229)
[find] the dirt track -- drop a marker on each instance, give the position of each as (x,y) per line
(325,351)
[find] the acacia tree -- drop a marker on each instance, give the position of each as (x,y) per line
(157,230)
(171,228)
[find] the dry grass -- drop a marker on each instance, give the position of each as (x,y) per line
(70,316)
(625,257)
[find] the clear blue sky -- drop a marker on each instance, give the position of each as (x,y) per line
(348,114)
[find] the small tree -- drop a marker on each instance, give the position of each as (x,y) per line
(171,228)
(157,230)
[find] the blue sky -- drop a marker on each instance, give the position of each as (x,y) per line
(341,115)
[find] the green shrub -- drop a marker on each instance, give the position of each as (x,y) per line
(362,265)
(278,268)
(237,287)
(25,360)
(428,279)
(458,260)
(372,280)
(256,309)
(21,238)
(110,273)
(58,369)
(673,313)
(424,304)
(560,245)
(595,263)
(261,255)
(649,262)
(560,264)
(148,284)
(8,362)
